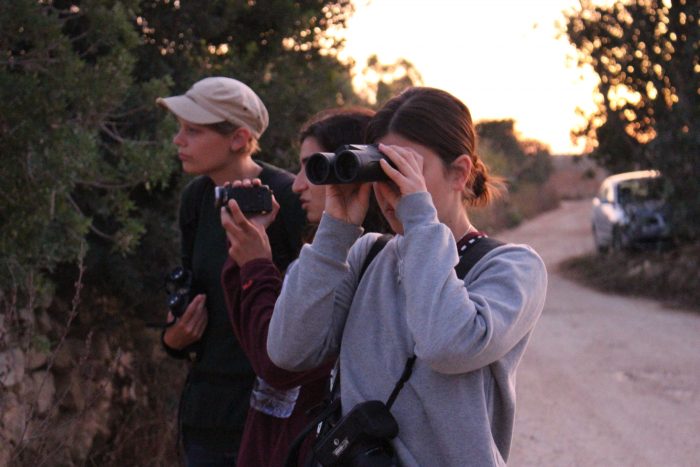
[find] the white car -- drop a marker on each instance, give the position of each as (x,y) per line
(629,211)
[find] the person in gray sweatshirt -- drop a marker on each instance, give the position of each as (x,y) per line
(468,335)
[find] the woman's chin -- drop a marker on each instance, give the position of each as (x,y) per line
(313,217)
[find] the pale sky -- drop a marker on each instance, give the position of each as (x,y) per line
(500,57)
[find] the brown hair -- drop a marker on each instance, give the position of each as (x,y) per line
(437,120)
(225,128)
(333,128)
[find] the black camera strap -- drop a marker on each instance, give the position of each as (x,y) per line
(407,370)
(469,255)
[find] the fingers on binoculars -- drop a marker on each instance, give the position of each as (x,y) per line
(246,182)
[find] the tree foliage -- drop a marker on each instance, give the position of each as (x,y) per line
(282,48)
(647,55)
(89,164)
(383,81)
(519,161)
(66,92)
(88,155)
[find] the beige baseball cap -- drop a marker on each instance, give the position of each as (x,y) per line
(219,99)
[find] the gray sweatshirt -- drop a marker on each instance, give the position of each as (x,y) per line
(457,408)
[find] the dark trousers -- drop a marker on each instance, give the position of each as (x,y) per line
(197,455)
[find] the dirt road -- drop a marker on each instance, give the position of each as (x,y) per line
(606,380)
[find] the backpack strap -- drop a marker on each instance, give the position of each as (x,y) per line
(377,246)
(191,206)
(379,243)
(474,253)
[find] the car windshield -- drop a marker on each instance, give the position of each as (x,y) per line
(641,189)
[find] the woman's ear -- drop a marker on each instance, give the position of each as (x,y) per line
(239,139)
(460,170)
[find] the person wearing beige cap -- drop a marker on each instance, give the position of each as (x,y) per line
(220,122)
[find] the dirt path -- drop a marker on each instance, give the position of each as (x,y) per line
(606,380)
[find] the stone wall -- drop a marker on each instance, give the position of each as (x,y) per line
(70,387)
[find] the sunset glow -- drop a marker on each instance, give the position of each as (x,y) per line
(503,58)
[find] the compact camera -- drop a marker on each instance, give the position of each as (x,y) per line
(178,284)
(361,438)
(256,199)
(352,163)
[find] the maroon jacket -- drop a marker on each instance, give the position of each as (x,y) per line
(251,292)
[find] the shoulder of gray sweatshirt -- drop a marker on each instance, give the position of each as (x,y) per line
(457,409)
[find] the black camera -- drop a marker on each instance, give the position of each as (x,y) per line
(178,285)
(352,163)
(255,199)
(361,438)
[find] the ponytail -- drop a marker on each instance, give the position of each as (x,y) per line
(482,187)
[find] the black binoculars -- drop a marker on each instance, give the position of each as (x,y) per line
(351,163)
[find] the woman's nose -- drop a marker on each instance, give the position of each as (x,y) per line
(300,183)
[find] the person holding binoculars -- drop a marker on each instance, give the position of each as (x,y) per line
(220,122)
(281,401)
(457,341)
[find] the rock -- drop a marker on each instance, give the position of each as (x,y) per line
(26,316)
(37,390)
(5,455)
(101,350)
(73,389)
(82,435)
(68,355)
(13,418)
(43,321)
(44,391)
(11,367)
(36,359)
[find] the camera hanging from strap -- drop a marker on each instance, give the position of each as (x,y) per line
(469,255)
(329,419)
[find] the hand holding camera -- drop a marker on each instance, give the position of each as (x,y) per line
(251,196)
(246,235)
(189,327)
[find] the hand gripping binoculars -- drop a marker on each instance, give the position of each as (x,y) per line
(351,163)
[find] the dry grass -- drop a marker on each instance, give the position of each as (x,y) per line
(527,202)
(670,276)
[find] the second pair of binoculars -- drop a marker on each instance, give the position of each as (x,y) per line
(351,163)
